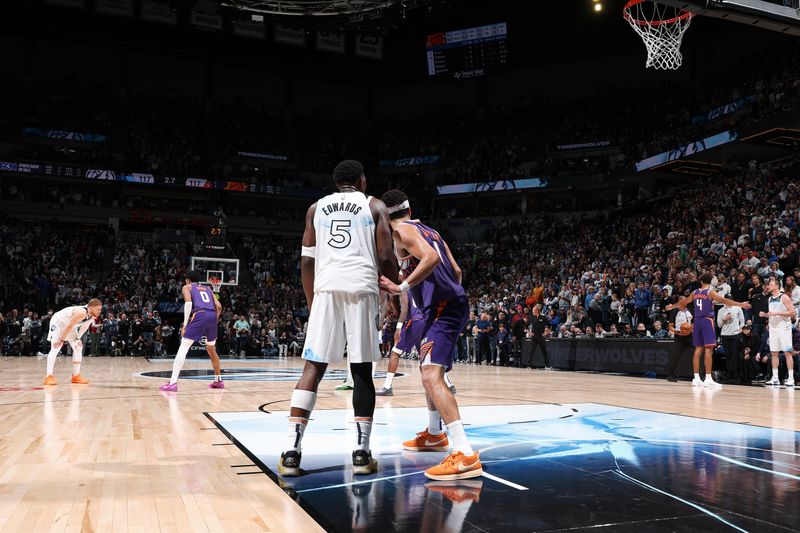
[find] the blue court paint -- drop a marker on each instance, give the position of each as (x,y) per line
(584,465)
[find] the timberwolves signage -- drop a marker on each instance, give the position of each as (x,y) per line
(607,355)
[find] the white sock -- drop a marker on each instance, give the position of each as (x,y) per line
(51,360)
(697,375)
(388,383)
(183,351)
(447,380)
(774,373)
(434,423)
(458,438)
(77,355)
(363,431)
(297,427)
(217,377)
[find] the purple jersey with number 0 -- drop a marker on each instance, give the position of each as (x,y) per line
(202,298)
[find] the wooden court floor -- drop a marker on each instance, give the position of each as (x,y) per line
(118,455)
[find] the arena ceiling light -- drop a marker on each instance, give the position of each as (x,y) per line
(314,8)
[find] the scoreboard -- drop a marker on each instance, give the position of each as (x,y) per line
(467,53)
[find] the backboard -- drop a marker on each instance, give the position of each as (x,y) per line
(219,267)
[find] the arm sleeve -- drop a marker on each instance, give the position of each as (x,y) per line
(187,310)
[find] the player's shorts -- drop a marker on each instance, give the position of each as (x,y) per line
(780,340)
(704,333)
(411,334)
(387,335)
(341,318)
(57,332)
(202,324)
(442,325)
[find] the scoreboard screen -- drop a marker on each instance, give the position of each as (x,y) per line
(467,53)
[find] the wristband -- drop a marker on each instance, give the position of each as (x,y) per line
(404,286)
(399,326)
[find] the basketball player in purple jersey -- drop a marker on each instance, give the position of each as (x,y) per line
(201,312)
(407,336)
(704,336)
(433,282)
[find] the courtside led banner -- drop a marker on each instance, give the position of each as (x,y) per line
(416,161)
(100,174)
(686,150)
(492,186)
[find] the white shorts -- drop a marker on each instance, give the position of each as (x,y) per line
(780,340)
(338,319)
(57,331)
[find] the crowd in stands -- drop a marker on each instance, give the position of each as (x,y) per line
(539,276)
(613,276)
(170,134)
(48,266)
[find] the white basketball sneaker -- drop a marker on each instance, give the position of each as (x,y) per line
(789,382)
(697,382)
(711,384)
(775,382)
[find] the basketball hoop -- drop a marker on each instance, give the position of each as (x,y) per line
(661,27)
(216,283)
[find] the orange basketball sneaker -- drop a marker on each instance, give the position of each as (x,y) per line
(50,380)
(456,466)
(425,442)
(80,379)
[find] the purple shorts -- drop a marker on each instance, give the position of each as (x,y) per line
(387,335)
(201,324)
(442,325)
(704,333)
(411,334)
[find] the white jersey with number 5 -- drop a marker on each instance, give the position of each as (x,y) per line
(346,257)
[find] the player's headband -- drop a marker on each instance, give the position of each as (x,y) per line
(398,207)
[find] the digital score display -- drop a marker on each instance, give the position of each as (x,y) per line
(468,53)
(215,236)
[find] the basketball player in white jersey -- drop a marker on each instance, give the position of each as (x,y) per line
(69,325)
(346,242)
(781,314)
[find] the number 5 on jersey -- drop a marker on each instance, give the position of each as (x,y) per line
(340,234)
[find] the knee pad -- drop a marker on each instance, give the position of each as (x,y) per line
(304,399)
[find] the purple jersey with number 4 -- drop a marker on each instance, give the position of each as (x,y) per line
(704,333)
(703,305)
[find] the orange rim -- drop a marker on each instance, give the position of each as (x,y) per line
(626,13)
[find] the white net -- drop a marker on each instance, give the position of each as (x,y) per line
(216,283)
(661,27)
